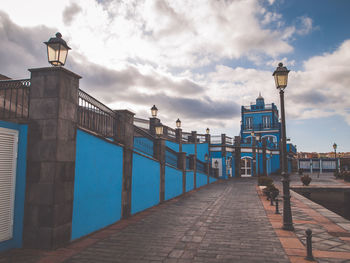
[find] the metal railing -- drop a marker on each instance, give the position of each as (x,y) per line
(170,157)
(142,123)
(185,136)
(143,141)
(14,99)
(201,138)
(215,139)
(229,140)
(171,132)
(95,116)
(200,166)
(260,127)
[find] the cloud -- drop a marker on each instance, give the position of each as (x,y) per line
(70,12)
(21,48)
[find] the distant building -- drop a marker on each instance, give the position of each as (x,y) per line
(3,77)
(257,149)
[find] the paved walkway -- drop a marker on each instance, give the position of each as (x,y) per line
(331,232)
(223,222)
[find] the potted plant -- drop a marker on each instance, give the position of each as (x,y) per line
(272,191)
(306,179)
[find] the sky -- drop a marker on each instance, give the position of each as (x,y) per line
(197,60)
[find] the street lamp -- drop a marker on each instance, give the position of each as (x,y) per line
(207,131)
(154,111)
(206,157)
(159,130)
(178,123)
(281,79)
(257,160)
(216,164)
(57,50)
(335,156)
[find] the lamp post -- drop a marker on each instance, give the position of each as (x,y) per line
(159,130)
(257,160)
(335,156)
(154,111)
(178,123)
(281,78)
(57,50)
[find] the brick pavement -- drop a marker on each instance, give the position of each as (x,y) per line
(223,222)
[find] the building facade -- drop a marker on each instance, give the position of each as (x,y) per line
(256,151)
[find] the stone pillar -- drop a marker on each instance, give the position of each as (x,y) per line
(237,145)
(264,157)
(255,156)
(125,135)
(216,172)
(153,122)
(207,138)
(159,154)
(194,140)
(223,145)
(181,164)
(52,128)
(178,133)
(193,167)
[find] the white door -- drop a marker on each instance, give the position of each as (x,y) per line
(8,162)
(246,167)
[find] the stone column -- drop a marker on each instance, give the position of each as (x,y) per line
(255,156)
(223,145)
(207,138)
(181,164)
(237,145)
(264,156)
(125,135)
(52,128)
(178,133)
(193,167)
(159,154)
(194,140)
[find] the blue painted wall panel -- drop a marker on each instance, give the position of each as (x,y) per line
(173,182)
(172,145)
(189,181)
(97,186)
(212,179)
(145,183)
(188,148)
(143,145)
(201,179)
(16,241)
(202,149)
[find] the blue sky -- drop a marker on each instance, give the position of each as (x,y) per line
(197,60)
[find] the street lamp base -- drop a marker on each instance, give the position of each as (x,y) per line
(288,227)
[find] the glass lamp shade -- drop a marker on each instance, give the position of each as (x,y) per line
(257,137)
(252,134)
(57,50)
(281,76)
(154,111)
(207,130)
(216,164)
(335,146)
(178,124)
(159,130)
(206,157)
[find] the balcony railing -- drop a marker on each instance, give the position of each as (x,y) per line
(14,99)
(95,116)
(260,127)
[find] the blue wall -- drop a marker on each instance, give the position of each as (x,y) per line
(172,145)
(97,185)
(188,148)
(173,182)
(143,145)
(202,179)
(145,183)
(16,241)
(202,149)
(212,179)
(189,181)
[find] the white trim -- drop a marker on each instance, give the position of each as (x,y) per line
(215,149)
(262,131)
(246,150)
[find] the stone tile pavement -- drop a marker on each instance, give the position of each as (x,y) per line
(331,232)
(223,222)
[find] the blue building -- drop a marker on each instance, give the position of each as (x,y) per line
(256,151)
